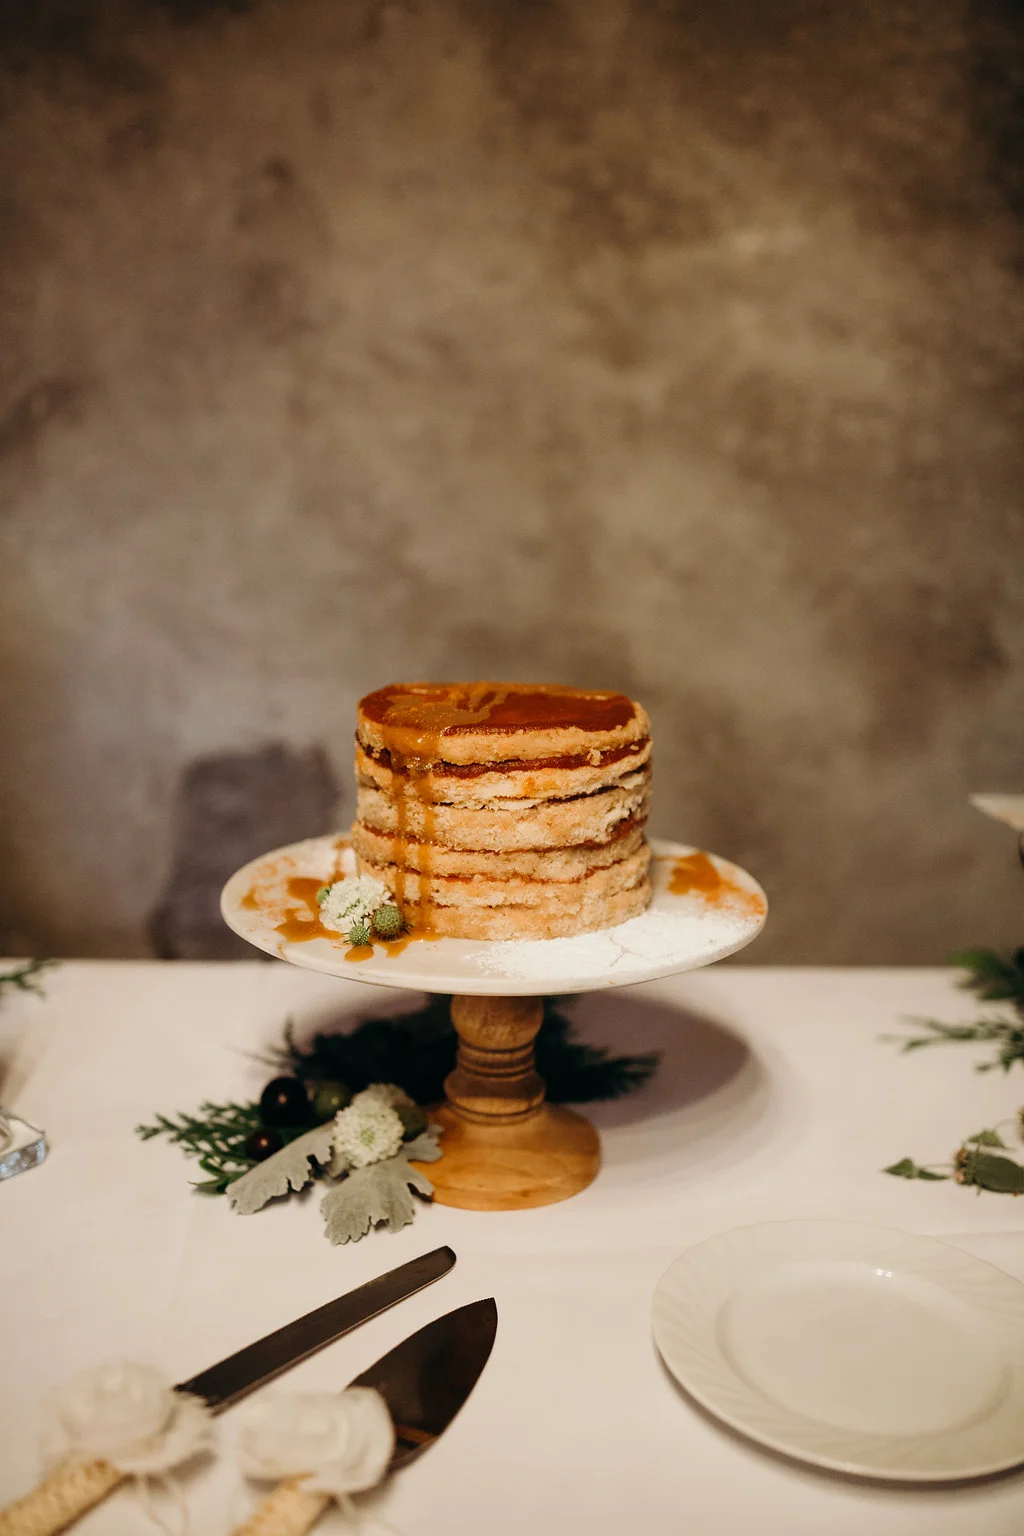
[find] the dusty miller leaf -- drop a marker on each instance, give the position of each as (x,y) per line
(367,1197)
(286,1170)
(424,1148)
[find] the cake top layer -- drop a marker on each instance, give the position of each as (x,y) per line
(490,722)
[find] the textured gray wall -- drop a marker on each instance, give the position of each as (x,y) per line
(666,346)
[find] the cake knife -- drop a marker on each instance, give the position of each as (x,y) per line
(424,1381)
(74,1487)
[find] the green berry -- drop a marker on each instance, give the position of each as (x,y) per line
(388,922)
(413,1120)
(359,934)
(321,895)
(326,1099)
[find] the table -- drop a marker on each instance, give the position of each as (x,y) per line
(775,1099)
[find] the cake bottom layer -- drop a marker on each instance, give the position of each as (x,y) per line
(557,920)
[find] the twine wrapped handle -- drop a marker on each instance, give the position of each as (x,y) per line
(102,1427)
(325,1446)
(59,1500)
(291,1509)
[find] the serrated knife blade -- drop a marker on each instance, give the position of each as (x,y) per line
(231,1379)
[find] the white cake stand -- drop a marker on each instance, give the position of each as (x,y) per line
(504,1147)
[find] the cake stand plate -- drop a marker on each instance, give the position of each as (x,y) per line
(677,932)
(504,1147)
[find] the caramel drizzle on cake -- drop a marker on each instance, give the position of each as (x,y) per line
(530,799)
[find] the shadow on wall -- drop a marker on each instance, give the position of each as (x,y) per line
(232,807)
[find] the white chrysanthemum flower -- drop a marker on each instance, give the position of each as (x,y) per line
(352,900)
(367,1133)
(383,1093)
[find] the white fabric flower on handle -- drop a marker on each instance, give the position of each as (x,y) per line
(322,1446)
(102,1427)
(126,1414)
(341,1441)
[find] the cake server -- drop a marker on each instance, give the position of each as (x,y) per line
(74,1488)
(424,1380)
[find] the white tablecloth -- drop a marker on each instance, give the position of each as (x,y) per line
(776,1099)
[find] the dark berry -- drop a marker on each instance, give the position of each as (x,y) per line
(261,1144)
(284,1102)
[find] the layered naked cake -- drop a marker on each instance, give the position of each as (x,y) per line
(504,810)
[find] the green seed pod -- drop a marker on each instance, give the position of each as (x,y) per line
(388,922)
(327,1098)
(359,934)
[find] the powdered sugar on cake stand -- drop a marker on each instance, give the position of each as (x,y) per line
(703,909)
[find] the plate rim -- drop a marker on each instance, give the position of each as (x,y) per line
(793,1450)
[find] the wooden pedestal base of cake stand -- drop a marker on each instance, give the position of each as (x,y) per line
(504,1148)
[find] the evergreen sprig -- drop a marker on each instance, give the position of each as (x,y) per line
(576,1073)
(994,978)
(27,977)
(417,1051)
(216,1135)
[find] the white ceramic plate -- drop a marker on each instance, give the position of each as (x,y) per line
(860,1348)
(676,933)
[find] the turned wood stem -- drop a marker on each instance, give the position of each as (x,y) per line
(495,1081)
